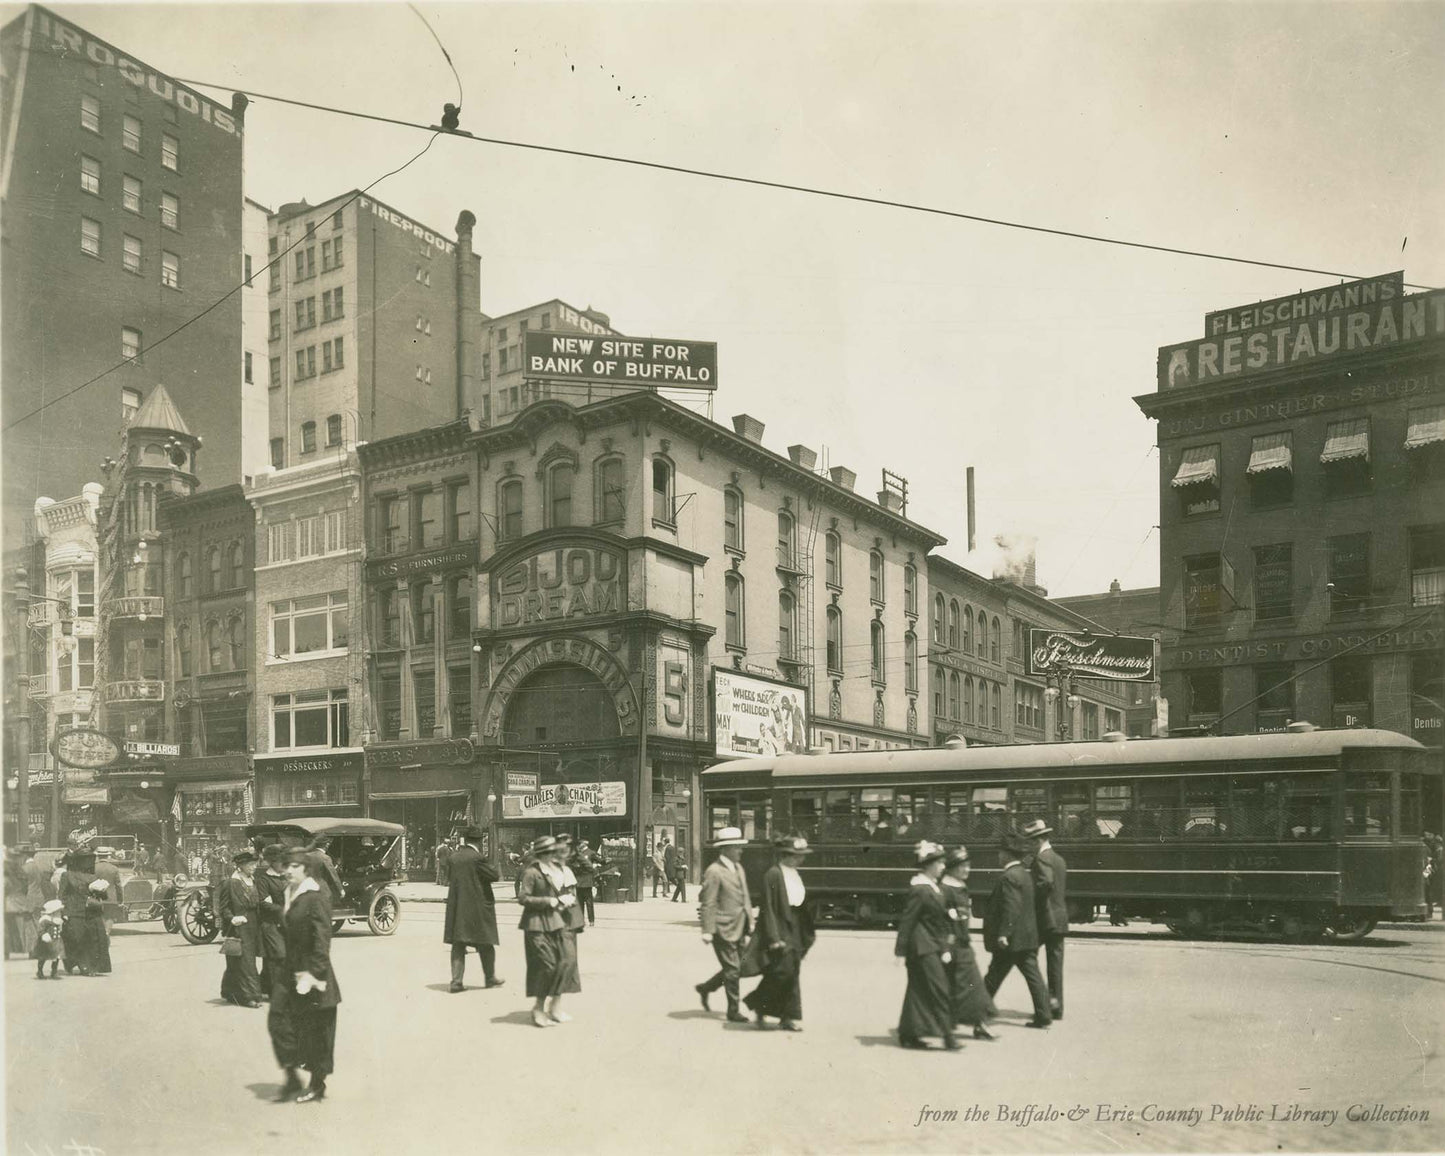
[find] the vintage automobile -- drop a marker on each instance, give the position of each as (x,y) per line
(364,851)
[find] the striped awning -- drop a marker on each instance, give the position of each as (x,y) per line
(1270,452)
(1200,464)
(1427,426)
(1347,439)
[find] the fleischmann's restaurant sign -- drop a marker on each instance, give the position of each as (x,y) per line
(1351,318)
(1113,656)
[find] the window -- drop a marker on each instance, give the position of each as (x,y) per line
(1349,574)
(875,576)
(306,263)
(833,554)
(967,712)
(1204,692)
(662,507)
(170,211)
(1351,690)
(170,270)
(995,640)
(130,193)
(316,624)
(308,437)
(1427,565)
(333,430)
(1197,480)
(333,304)
(936,627)
(279,541)
(953,634)
(89,237)
(274,367)
(1271,470)
(502,368)
(910,589)
(509,508)
(332,355)
(459,606)
(90,175)
(130,136)
(389,522)
(1367,804)
(278,454)
(306,363)
(955,695)
(273,276)
(611,497)
(183,650)
(130,350)
(275,325)
(311,718)
(213,570)
(306,313)
(787,541)
(331,254)
(1346,457)
(733,609)
(559,494)
(459,699)
(1018,632)
(982,634)
(1273,582)
(835,640)
(937,681)
(170,152)
(732,519)
(183,576)
(1274,691)
(1090,714)
(388,605)
(423,613)
(787,627)
(997,703)
(1201,590)
(90,113)
(236,637)
(215,650)
(236,577)
(246,369)
(1028,705)
(910,662)
(427,519)
(875,647)
(1425,443)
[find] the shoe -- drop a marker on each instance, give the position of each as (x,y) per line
(317,1091)
(592,923)
(788,1026)
(1037,1024)
(39,975)
(702,993)
(1058,1013)
(456,987)
(763,1023)
(290,1088)
(543,1020)
(494,982)
(737,1018)
(252,1003)
(912,1042)
(952,1044)
(560,1017)
(982,1033)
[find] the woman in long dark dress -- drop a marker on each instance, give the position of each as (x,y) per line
(304,1034)
(784,935)
(971,1002)
(85,948)
(925,941)
(550,950)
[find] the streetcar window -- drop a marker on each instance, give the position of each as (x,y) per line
(909,809)
(1204,807)
(1367,805)
(1308,807)
(1071,801)
(841,819)
(877,805)
(755,817)
(955,816)
(1027,803)
(1254,807)
(990,813)
(721,813)
(1112,802)
(807,811)
(1409,804)
(1156,811)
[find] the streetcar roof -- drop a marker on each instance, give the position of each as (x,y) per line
(1048,756)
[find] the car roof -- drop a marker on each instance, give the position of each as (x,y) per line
(330,825)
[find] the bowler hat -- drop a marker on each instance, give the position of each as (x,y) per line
(472,831)
(1036,828)
(729,837)
(792,845)
(1014,844)
(926,852)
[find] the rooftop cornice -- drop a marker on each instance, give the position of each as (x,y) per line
(418,446)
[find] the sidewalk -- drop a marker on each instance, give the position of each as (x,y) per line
(410,892)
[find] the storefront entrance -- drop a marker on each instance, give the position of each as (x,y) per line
(428,820)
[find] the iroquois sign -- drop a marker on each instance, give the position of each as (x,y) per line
(1115,656)
(660,361)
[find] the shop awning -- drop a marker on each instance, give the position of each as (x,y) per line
(420,794)
(211,788)
(1270,452)
(1345,440)
(1200,464)
(1427,426)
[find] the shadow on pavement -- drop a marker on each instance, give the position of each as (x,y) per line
(523,1017)
(693,1014)
(264,1091)
(888,1041)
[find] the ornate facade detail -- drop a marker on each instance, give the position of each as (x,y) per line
(912,716)
(835,701)
(878,710)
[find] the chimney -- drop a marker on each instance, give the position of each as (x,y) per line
(803,456)
(469,316)
(1114,587)
(749,427)
(971,523)
(239,101)
(843,476)
(891,501)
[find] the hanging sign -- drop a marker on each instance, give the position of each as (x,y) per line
(1112,656)
(568,800)
(84,747)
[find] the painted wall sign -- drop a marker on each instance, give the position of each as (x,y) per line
(1113,656)
(657,361)
(559,585)
(752,717)
(424,563)
(405,224)
(568,800)
(1301,306)
(310,764)
(1224,359)
(1318,646)
(84,747)
(522,782)
(454,752)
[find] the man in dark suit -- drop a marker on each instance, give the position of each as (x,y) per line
(1050,874)
(726,917)
(271,893)
(1010,928)
(669,865)
(471,919)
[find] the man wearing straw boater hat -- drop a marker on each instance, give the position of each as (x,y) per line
(1050,874)
(1011,930)
(727,917)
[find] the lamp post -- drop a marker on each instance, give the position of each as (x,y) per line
(1064,697)
(22,717)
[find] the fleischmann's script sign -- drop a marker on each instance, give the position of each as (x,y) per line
(1117,656)
(659,361)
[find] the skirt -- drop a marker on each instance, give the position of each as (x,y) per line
(780,993)
(927,1004)
(551,964)
(971,1002)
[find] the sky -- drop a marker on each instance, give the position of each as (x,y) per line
(1303,134)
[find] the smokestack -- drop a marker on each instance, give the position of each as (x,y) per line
(972,525)
(469,315)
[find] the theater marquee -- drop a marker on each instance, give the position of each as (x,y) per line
(559,585)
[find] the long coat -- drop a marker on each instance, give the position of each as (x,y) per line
(269,914)
(308,944)
(726,904)
(1010,914)
(778,921)
(1050,882)
(971,1002)
(471,907)
(242,898)
(925,935)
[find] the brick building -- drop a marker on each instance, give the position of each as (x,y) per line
(1133,612)
(502,391)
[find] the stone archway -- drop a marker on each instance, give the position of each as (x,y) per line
(572,651)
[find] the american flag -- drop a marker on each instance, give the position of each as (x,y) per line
(176,808)
(249,804)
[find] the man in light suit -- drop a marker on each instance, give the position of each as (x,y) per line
(727,917)
(1050,874)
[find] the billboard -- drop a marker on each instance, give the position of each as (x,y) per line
(654,361)
(1077,652)
(755,716)
(568,801)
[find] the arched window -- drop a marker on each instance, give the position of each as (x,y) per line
(833,549)
(997,700)
(835,640)
(213,570)
(559,494)
(236,578)
(183,576)
(875,646)
(183,650)
(611,496)
(733,518)
(993,640)
(787,627)
(910,662)
(967,714)
(910,589)
(875,576)
(733,610)
(965,637)
(952,623)
(787,541)
(215,647)
(237,639)
(509,510)
(663,509)
(982,634)
(936,677)
(955,695)
(938,618)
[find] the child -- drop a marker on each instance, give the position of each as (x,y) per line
(48,944)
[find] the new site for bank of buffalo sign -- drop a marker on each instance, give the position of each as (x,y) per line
(753,716)
(657,361)
(1292,331)
(1117,656)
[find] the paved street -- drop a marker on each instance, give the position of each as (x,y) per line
(149,1060)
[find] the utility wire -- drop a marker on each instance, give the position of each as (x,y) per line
(445,53)
(810,189)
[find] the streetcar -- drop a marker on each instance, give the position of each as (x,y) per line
(1299,836)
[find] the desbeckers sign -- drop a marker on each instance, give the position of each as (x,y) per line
(557,585)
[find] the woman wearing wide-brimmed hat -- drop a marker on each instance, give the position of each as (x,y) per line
(784,935)
(925,941)
(303,1030)
(550,947)
(972,1004)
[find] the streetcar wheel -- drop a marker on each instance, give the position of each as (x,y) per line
(1345,928)
(384,913)
(197,922)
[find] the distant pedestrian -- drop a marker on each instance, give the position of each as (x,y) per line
(1011,931)
(471,914)
(99,933)
(1050,873)
(142,860)
(925,941)
(551,960)
(679,875)
(669,865)
(443,859)
(326,873)
(785,933)
(304,1035)
(972,1004)
(659,867)
(20,913)
(50,939)
(240,985)
(585,864)
(727,917)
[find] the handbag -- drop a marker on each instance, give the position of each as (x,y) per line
(231,945)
